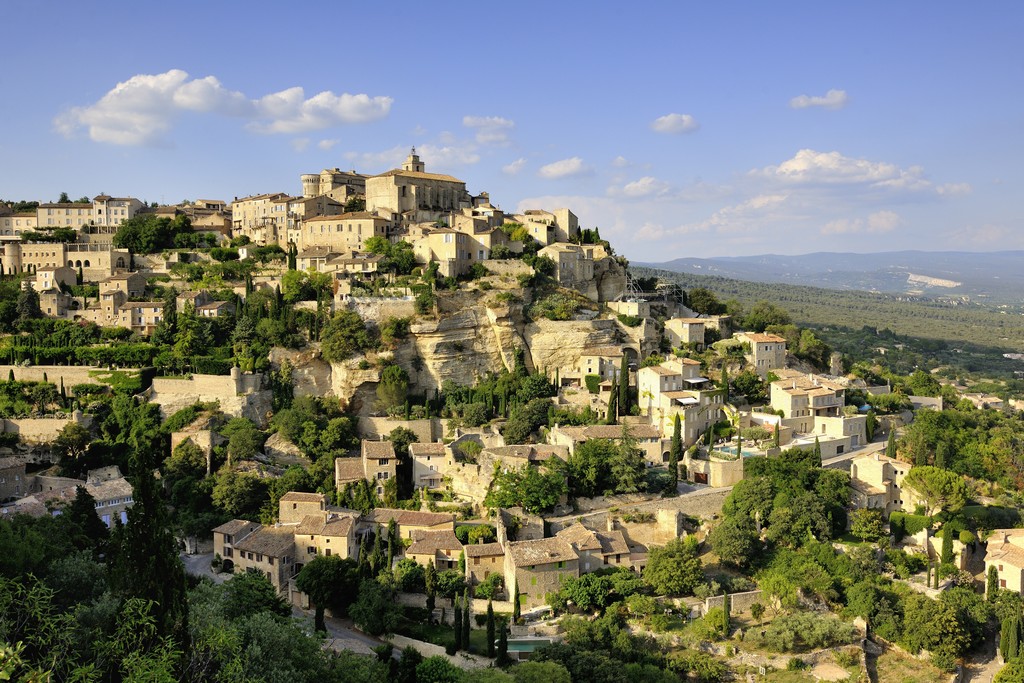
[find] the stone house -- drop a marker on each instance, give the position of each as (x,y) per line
(876,482)
(429,462)
(12,478)
(344,233)
(1005,552)
(270,551)
(603,361)
(131,284)
(767,351)
(648,438)
(676,387)
(51,278)
(409,522)
(440,548)
(684,331)
(139,316)
(537,568)
(482,560)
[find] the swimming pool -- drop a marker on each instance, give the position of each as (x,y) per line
(731,450)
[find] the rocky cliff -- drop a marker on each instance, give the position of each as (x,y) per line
(474,333)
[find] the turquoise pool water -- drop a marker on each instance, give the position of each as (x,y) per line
(527,644)
(731,450)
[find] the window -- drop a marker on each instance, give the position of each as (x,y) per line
(270,560)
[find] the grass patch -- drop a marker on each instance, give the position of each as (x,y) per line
(894,667)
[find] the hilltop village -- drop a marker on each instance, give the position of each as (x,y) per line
(387,400)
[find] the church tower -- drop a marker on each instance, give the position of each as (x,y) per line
(413,163)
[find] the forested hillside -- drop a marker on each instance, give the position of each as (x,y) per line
(999,328)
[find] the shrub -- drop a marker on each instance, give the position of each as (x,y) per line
(902,524)
(629,320)
(593,383)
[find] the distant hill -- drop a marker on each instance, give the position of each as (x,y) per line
(985,276)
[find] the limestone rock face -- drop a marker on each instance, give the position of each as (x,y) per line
(558,344)
(610,279)
(354,385)
(311,374)
(460,346)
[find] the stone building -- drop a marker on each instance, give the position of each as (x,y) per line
(343,233)
(767,351)
(334,183)
(537,568)
(414,194)
(439,548)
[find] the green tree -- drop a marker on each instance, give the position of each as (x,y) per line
(250,592)
(674,569)
(490,629)
(145,562)
(502,658)
(393,387)
(675,454)
(890,444)
(763,314)
(735,541)
(624,385)
(941,490)
(374,610)
(526,487)
(757,612)
(330,582)
(541,672)
(626,467)
(867,524)
(438,669)
(70,446)
(457,626)
(992,583)
(344,335)
(702,300)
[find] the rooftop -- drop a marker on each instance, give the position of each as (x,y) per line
(272,541)
(541,551)
(429,542)
(378,450)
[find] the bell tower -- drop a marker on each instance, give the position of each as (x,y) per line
(413,163)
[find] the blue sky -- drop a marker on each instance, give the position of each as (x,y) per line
(680,129)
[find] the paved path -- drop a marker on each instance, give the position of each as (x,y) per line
(199,565)
(982,667)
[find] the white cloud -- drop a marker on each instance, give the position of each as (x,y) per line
(675,124)
(954,189)
(644,187)
(742,217)
(289,111)
(514,167)
(833,99)
(876,223)
(327,144)
(811,167)
(564,168)
(620,162)
(300,144)
(141,110)
(490,130)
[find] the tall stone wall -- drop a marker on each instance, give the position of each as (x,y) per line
(738,602)
(426,431)
(37,430)
(239,394)
(71,374)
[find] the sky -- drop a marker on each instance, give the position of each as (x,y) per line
(680,129)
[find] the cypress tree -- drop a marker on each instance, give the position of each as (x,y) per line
(777,435)
(816,453)
(947,545)
(992,584)
(726,607)
(675,452)
(465,620)
(613,402)
(430,582)
(890,444)
(458,624)
(490,630)
(624,385)
(724,384)
(943,455)
(516,608)
(1009,637)
(502,658)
